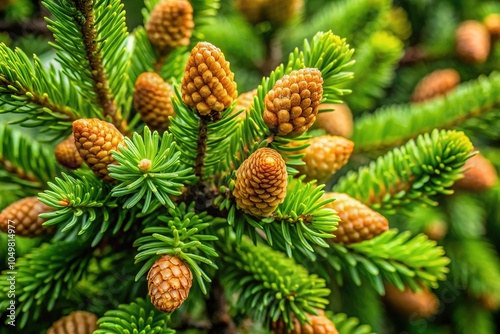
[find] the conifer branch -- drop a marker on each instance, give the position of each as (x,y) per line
(350,325)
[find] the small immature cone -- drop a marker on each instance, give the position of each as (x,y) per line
(436,84)
(280,12)
(170,24)
(408,303)
(472,42)
(492,23)
(292,104)
(208,84)
(320,324)
(67,154)
(479,175)
(336,123)
(23,216)
(324,156)
(357,221)
(77,322)
(261,182)
(152,99)
(95,139)
(169,282)
(244,101)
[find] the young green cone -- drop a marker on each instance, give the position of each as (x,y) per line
(169,282)
(436,84)
(152,99)
(67,154)
(292,104)
(472,42)
(77,322)
(22,217)
(261,181)
(95,139)
(357,221)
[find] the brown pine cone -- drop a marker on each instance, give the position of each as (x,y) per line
(472,42)
(436,84)
(492,23)
(280,12)
(77,322)
(357,221)
(208,84)
(479,175)
(244,101)
(152,99)
(436,230)
(324,156)
(335,123)
(23,215)
(320,324)
(95,139)
(292,104)
(261,181)
(67,154)
(409,303)
(169,282)
(170,24)
(252,10)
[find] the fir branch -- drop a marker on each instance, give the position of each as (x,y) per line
(393,125)
(139,317)
(149,168)
(349,325)
(469,317)
(270,286)
(466,216)
(394,257)
(410,174)
(44,277)
(179,234)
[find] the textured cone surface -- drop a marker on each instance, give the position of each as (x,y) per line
(152,99)
(492,23)
(67,154)
(23,215)
(320,324)
(252,10)
(77,322)
(244,101)
(261,182)
(357,221)
(335,123)
(409,303)
(208,83)
(169,282)
(279,11)
(324,156)
(436,84)
(95,139)
(292,104)
(472,42)
(479,175)
(170,24)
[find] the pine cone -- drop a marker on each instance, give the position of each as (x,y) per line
(170,24)
(436,230)
(324,156)
(244,101)
(320,324)
(67,154)
(77,322)
(357,221)
(23,214)
(292,104)
(169,282)
(261,182)
(436,84)
(409,303)
(252,10)
(479,175)
(472,42)
(208,84)
(95,139)
(492,23)
(280,12)
(335,123)
(152,99)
